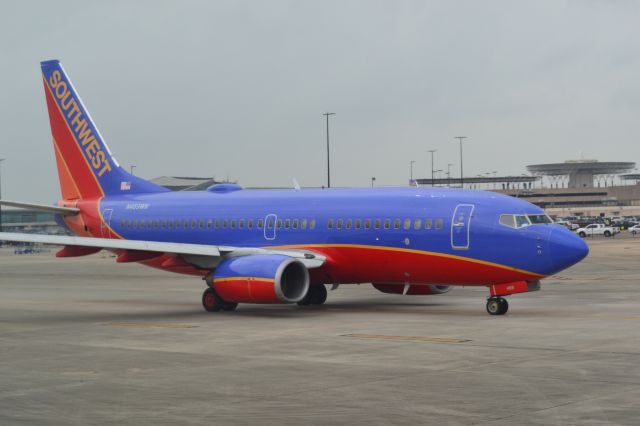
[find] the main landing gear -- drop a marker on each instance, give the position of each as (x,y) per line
(316,295)
(497,306)
(211,302)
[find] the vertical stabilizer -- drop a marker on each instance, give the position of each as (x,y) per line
(86,167)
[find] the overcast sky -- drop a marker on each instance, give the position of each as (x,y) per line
(217,88)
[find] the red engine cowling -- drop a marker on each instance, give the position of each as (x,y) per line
(413,289)
(262,278)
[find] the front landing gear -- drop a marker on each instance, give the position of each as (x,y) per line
(497,306)
(211,302)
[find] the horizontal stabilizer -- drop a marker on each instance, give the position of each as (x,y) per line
(64,211)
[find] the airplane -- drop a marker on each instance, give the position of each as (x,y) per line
(285,246)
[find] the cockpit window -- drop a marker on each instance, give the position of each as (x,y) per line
(539,218)
(508,220)
(520,220)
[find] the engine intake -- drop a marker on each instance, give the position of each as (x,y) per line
(261,278)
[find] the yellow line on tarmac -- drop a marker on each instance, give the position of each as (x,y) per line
(450,340)
(150,325)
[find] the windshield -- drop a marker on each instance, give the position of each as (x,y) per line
(520,220)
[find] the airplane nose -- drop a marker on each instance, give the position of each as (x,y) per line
(566,249)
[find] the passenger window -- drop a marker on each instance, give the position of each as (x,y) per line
(186,223)
(287,224)
(377,224)
(407,223)
(201,224)
(312,224)
(358,223)
(135,223)
(428,223)
(250,224)
(233,224)
(241,224)
(209,223)
(279,224)
(142,223)
(438,223)
(225,223)
(155,224)
(387,223)
(348,224)
(417,224)
(367,224)
(216,224)
(396,224)
(164,224)
(296,222)
(261,223)
(270,222)
(149,224)
(303,224)
(330,224)
(194,223)
(178,224)
(339,224)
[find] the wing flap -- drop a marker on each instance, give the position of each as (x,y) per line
(308,258)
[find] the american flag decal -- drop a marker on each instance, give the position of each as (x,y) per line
(125,186)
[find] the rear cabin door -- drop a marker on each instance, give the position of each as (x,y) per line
(460,226)
(105,223)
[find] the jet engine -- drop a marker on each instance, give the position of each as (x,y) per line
(413,289)
(261,278)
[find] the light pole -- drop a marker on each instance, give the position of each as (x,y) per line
(461,138)
(432,151)
(132,167)
(327,114)
(449,174)
(438,171)
(1,160)
(373,180)
(411,170)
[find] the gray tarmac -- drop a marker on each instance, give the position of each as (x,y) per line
(89,341)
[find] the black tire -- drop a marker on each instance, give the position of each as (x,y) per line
(582,234)
(229,306)
(497,306)
(211,302)
(607,234)
(319,295)
(504,305)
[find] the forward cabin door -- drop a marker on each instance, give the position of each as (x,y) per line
(460,226)
(270,223)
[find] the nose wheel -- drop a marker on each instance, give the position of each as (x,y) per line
(497,306)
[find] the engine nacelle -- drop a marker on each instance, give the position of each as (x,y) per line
(414,289)
(261,278)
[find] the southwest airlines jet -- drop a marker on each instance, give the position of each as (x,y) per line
(284,246)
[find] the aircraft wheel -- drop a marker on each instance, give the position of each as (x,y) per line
(497,306)
(319,295)
(229,306)
(211,302)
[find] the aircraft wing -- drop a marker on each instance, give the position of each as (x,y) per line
(64,211)
(308,258)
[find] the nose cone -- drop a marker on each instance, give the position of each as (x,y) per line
(566,249)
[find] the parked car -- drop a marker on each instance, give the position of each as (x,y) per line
(597,229)
(635,230)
